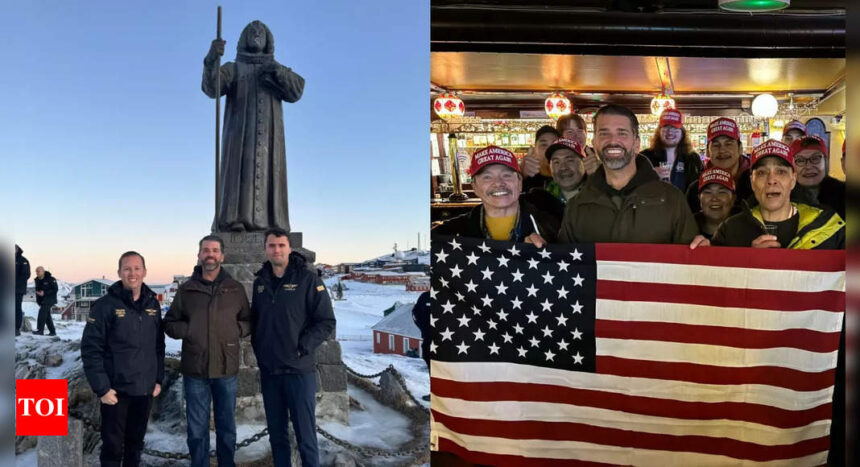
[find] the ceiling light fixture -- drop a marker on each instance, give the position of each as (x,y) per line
(754,6)
(557,105)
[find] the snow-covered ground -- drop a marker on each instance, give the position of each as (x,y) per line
(362,307)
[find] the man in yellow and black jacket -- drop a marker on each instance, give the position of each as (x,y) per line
(771,220)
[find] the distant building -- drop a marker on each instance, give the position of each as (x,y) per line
(82,297)
(397,333)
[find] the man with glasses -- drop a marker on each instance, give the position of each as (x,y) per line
(810,156)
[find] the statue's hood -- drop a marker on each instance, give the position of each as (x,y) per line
(242,46)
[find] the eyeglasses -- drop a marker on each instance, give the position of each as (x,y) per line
(814,160)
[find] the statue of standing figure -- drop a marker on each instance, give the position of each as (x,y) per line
(253,173)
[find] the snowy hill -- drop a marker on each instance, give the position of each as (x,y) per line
(423,256)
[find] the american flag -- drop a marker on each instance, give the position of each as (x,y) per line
(633,354)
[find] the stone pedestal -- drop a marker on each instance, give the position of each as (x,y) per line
(244,254)
(62,451)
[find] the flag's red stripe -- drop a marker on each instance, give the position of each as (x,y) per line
(658,407)
(828,300)
(712,374)
(805,339)
(485,458)
(563,431)
(802,260)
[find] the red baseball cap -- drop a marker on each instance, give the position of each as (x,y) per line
(724,126)
(769,148)
(808,142)
(492,155)
(671,117)
(564,143)
(794,125)
(716,175)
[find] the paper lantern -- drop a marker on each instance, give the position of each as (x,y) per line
(557,105)
(448,105)
(765,106)
(660,103)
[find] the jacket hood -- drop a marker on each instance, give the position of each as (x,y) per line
(18,251)
(644,173)
(242,45)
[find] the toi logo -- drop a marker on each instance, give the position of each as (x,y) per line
(41,407)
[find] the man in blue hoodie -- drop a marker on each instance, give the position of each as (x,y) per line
(291,315)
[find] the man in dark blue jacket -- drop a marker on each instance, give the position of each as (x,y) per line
(46,297)
(122,350)
(291,315)
(22,273)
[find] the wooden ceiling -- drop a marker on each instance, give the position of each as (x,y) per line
(507,70)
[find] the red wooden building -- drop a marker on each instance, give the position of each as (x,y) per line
(397,333)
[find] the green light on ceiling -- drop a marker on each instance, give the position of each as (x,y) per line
(753,5)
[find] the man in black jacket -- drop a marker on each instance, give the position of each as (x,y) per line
(22,273)
(291,315)
(46,297)
(122,350)
(210,314)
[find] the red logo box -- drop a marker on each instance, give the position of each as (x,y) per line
(41,407)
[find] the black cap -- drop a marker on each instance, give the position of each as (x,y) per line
(546,129)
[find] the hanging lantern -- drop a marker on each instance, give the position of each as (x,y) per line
(448,105)
(557,105)
(765,106)
(661,102)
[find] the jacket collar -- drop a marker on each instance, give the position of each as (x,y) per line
(198,276)
(644,174)
(297,263)
(116,290)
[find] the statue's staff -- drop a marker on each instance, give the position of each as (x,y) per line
(218,125)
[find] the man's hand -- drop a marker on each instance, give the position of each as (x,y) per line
(766,241)
(531,163)
(109,398)
(40,293)
(699,240)
(536,239)
(591,163)
(664,171)
(157,390)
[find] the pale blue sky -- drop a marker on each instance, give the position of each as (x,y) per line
(108,140)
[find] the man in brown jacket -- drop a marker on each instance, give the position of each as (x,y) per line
(210,313)
(624,201)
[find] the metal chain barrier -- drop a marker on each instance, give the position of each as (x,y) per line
(396,374)
(172,455)
(362,451)
(370,452)
(402,382)
(355,373)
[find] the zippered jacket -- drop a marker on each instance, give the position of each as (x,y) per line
(122,346)
(290,317)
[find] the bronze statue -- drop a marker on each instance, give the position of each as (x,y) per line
(253,174)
